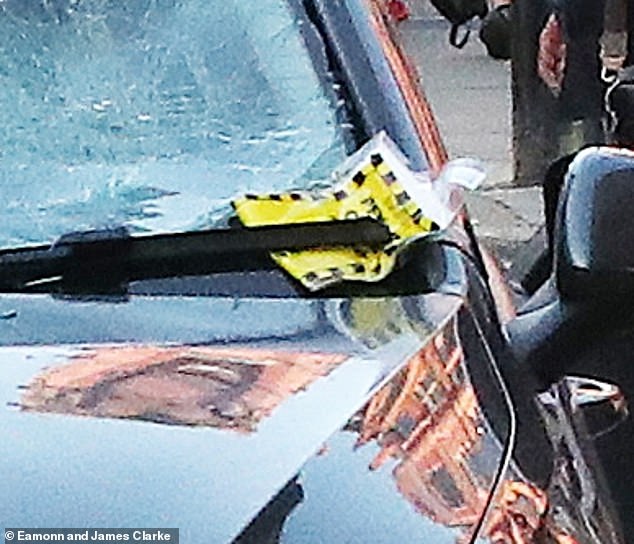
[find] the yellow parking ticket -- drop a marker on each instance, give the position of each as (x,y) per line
(371,189)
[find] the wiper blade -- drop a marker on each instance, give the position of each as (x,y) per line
(114,256)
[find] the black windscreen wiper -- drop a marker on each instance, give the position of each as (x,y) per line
(115,257)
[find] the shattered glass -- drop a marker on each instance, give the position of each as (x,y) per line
(153,113)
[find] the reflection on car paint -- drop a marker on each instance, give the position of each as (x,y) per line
(426,421)
(388,330)
(433,425)
(429,420)
(587,393)
(375,322)
(222,388)
(578,490)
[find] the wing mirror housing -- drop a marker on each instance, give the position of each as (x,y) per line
(594,231)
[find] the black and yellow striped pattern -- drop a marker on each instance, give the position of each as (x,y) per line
(372,191)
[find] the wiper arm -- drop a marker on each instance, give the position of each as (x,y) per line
(114,256)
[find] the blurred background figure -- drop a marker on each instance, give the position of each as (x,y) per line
(398,10)
(581,45)
(565,54)
(551,56)
(496,30)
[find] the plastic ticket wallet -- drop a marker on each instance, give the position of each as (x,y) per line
(373,182)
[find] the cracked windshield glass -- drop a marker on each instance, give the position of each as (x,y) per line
(153,114)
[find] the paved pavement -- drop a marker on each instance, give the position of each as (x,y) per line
(470,95)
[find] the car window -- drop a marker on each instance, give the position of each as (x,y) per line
(153,114)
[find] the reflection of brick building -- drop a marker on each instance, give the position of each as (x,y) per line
(429,420)
(429,417)
(227,388)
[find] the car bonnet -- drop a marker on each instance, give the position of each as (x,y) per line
(136,428)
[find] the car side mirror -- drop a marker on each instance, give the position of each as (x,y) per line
(594,230)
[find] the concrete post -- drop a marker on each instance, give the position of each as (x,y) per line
(534,136)
(548,125)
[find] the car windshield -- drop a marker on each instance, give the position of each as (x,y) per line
(153,114)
